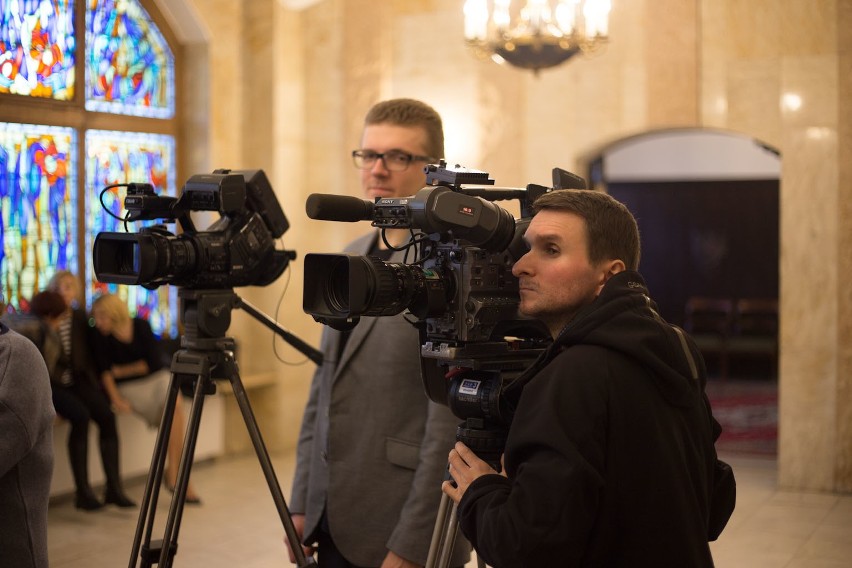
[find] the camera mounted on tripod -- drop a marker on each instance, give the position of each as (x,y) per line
(459,288)
(238,249)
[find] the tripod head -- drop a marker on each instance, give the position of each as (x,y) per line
(207,316)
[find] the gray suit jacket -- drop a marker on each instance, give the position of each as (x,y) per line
(372,448)
(26,451)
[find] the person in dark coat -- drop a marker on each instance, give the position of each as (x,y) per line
(610,457)
(26,451)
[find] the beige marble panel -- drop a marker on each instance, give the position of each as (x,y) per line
(808,368)
(844,265)
(752,29)
(808,27)
(196,110)
(713,65)
(628,56)
(753,100)
(714,94)
(809,270)
(671,57)
(223,18)
(812,82)
(502,134)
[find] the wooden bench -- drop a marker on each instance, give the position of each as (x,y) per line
(730,330)
(755,331)
(709,322)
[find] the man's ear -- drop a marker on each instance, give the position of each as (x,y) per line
(615,266)
(609,269)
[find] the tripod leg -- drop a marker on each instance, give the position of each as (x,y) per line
(155,476)
(444,535)
(438,532)
(179,498)
(269,472)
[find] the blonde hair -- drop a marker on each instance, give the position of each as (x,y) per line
(57,278)
(113,306)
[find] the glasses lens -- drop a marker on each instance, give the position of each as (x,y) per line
(364,158)
(394,160)
(397,160)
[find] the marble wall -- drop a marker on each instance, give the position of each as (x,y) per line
(288,85)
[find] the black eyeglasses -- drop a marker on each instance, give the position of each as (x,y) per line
(394,160)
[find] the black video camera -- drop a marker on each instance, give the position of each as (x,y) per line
(238,249)
(460,288)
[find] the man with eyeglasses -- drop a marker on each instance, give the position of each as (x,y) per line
(372,448)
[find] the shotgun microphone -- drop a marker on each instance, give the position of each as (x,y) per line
(326,207)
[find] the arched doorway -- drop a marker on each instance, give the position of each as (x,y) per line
(707,205)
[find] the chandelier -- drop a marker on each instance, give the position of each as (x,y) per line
(537,35)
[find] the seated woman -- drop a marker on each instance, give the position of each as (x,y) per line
(77,398)
(134,376)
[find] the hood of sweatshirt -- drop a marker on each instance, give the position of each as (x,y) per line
(623,318)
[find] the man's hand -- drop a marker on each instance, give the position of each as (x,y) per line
(299,525)
(465,466)
(393,560)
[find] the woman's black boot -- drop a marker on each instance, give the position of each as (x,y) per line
(114,492)
(78,450)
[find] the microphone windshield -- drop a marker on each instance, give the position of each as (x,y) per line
(338,208)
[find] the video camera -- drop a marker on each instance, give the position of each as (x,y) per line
(460,288)
(238,249)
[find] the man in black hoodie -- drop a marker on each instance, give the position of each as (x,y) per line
(610,458)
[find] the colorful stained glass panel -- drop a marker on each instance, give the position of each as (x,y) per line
(123,157)
(129,65)
(37,44)
(38,220)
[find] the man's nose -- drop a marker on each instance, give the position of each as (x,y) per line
(379,167)
(520,266)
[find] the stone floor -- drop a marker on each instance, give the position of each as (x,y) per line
(238,526)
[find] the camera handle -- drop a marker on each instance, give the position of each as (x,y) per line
(487,443)
(206,355)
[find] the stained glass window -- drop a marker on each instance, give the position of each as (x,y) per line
(50,209)
(37,43)
(121,157)
(129,66)
(38,189)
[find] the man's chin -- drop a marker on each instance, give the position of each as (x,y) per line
(380,193)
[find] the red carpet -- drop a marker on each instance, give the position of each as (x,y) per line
(748,413)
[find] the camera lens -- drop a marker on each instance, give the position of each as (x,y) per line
(346,286)
(337,291)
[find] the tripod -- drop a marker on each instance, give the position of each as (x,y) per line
(488,444)
(205,355)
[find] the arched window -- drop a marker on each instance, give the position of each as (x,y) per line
(87,100)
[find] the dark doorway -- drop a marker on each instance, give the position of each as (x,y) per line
(705,238)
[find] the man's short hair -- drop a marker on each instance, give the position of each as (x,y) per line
(611,230)
(411,112)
